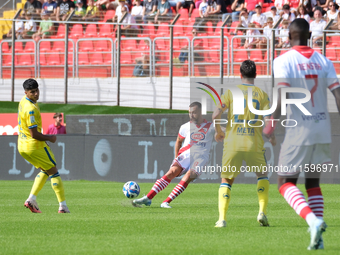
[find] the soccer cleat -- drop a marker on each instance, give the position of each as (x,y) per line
(63,209)
(165,205)
(221,224)
(262,219)
(32,205)
(316,230)
(142,201)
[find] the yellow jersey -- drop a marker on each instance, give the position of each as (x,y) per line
(28,117)
(240,133)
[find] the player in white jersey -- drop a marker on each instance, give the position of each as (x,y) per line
(306,145)
(192,152)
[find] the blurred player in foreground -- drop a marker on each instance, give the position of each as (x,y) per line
(192,152)
(307,144)
(32,146)
(243,141)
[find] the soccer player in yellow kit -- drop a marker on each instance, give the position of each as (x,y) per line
(32,146)
(243,141)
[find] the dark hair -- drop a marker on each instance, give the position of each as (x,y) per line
(30,84)
(57,114)
(286,7)
(198,104)
(248,69)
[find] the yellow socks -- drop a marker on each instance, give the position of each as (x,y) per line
(262,193)
(58,187)
(39,182)
(223,200)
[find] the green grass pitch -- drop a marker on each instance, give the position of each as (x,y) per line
(103,222)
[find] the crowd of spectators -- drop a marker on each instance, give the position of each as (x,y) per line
(253,17)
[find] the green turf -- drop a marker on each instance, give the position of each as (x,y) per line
(103,222)
(12,107)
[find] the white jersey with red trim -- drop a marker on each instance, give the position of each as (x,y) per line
(302,67)
(197,138)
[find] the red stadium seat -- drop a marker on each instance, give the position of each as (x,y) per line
(30,47)
(45,46)
(60,32)
(25,60)
(163,30)
(178,29)
(184,15)
(91,31)
(143,45)
(102,46)
(106,30)
(18,47)
(129,45)
(85,46)
(83,58)
(195,14)
(331,54)
(97,59)
(209,29)
(76,31)
(53,59)
(5,47)
(109,14)
(107,58)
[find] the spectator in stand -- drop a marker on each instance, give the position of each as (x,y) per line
(50,7)
(324,5)
(198,56)
(57,128)
(294,4)
(80,11)
(137,11)
(251,42)
(164,12)
(236,7)
(118,14)
(302,13)
(250,5)
(284,38)
(30,27)
(279,4)
(45,29)
(286,14)
(105,4)
(19,27)
(32,7)
(149,10)
(188,4)
(267,31)
(316,27)
(202,19)
(219,7)
(258,18)
(244,22)
(333,13)
(92,12)
(273,14)
(64,8)
(129,27)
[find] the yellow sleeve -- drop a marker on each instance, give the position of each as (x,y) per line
(31,115)
(265,103)
(226,100)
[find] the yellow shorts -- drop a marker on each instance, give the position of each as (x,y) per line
(42,158)
(232,162)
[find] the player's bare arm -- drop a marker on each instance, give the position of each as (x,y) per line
(178,145)
(217,114)
(336,93)
(41,137)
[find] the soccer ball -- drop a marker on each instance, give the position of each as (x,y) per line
(131,189)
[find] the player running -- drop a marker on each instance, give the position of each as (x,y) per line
(243,142)
(308,143)
(33,148)
(192,152)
